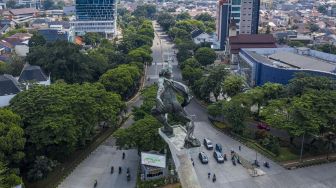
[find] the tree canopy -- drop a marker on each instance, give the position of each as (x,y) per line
(121,80)
(59,118)
(205,56)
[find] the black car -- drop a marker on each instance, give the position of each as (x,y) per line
(208,144)
(203,157)
(218,148)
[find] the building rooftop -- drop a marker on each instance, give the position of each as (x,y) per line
(251,41)
(32,73)
(8,85)
(22,11)
(303,61)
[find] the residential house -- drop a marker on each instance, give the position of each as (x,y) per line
(9,87)
(199,36)
(33,74)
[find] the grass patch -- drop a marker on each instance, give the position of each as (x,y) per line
(286,155)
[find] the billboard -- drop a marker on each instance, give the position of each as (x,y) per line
(153,160)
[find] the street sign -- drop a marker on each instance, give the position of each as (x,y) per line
(153,160)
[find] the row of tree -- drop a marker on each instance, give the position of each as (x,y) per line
(45,124)
(306,106)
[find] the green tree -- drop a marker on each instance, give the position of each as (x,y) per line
(205,56)
(147,11)
(215,79)
(140,55)
(192,62)
(233,85)
(3,67)
(215,109)
(60,118)
(143,135)
(235,114)
(41,167)
(8,179)
(304,82)
(183,16)
(295,44)
(122,80)
(36,40)
(166,21)
(92,38)
(191,74)
(63,60)
(11,138)
(15,65)
(204,17)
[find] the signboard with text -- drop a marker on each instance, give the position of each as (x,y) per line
(153,160)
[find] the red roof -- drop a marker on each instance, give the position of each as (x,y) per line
(251,41)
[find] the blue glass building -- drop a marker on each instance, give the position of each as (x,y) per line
(95,16)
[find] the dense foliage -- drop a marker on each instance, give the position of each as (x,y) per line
(61,118)
(143,134)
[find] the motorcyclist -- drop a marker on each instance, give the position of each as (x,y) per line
(119,169)
(214,178)
(112,169)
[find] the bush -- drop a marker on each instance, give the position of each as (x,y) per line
(41,167)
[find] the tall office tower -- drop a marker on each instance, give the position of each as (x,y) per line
(249,16)
(223,18)
(245,14)
(97,16)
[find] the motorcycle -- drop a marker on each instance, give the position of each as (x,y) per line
(266,165)
(128,177)
(234,162)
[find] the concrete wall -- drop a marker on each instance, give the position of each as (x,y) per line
(4,100)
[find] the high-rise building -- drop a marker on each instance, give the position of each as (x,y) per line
(223,18)
(95,16)
(245,14)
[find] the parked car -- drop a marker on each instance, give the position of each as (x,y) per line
(263,126)
(208,144)
(203,157)
(218,156)
(218,148)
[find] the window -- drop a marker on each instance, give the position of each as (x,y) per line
(236,2)
(235,8)
(235,15)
